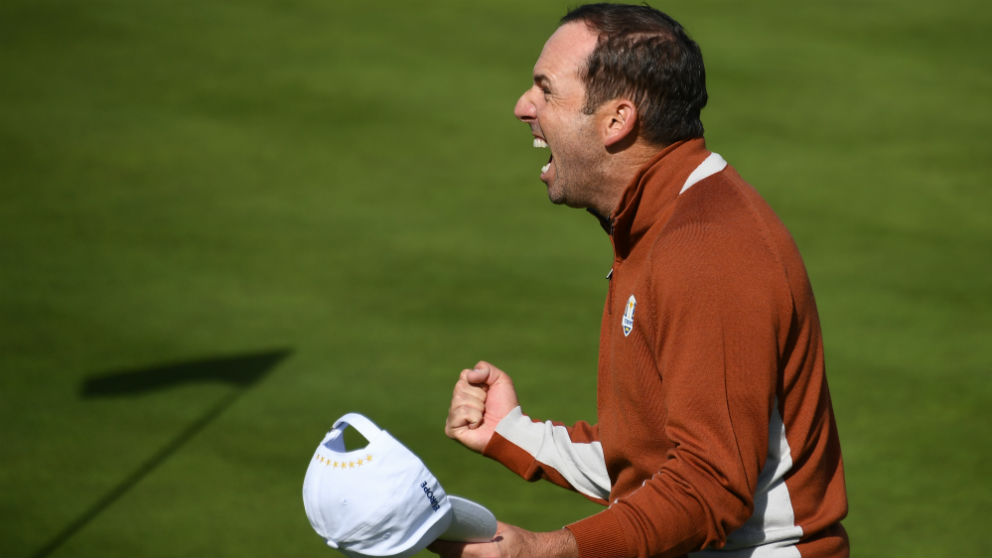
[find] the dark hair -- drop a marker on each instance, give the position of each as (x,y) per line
(648,57)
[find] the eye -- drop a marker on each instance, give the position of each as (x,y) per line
(542,84)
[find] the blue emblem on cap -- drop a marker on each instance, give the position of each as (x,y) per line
(435,505)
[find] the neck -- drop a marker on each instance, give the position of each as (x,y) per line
(620,170)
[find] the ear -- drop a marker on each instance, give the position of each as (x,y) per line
(619,121)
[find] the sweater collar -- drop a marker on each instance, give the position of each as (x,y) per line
(649,197)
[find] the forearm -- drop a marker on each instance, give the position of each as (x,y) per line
(511,541)
(571,457)
(560,543)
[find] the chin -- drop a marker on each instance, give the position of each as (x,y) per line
(556,196)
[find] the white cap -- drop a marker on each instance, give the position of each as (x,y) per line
(382,500)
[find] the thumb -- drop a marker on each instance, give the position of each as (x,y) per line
(481,374)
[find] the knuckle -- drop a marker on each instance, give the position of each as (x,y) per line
(463,414)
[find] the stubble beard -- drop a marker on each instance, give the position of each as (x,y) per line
(576,179)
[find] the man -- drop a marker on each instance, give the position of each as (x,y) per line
(715,429)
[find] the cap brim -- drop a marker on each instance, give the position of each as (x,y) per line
(470,522)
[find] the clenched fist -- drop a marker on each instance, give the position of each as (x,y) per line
(482,397)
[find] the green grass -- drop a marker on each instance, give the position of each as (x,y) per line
(185,180)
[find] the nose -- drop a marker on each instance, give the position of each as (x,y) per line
(525,110)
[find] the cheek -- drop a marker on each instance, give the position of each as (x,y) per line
(553,126)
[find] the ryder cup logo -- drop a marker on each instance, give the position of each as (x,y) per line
(628,316)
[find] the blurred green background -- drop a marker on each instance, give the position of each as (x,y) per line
(344,181)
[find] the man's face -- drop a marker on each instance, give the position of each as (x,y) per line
(552,107)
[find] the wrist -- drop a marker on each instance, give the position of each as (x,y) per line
(561,544)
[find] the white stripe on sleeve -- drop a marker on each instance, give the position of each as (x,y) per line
(771,532)
(582,464)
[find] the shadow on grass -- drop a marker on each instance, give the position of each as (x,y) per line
(241,371)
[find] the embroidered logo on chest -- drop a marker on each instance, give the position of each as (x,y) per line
(628,316)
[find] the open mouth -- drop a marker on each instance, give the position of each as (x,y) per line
(540,143)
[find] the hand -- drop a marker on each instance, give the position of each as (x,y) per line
(512,541)
(482,397)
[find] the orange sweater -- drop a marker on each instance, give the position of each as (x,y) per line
(715,428)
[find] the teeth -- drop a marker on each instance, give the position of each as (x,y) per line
(540,143)
(545,168)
